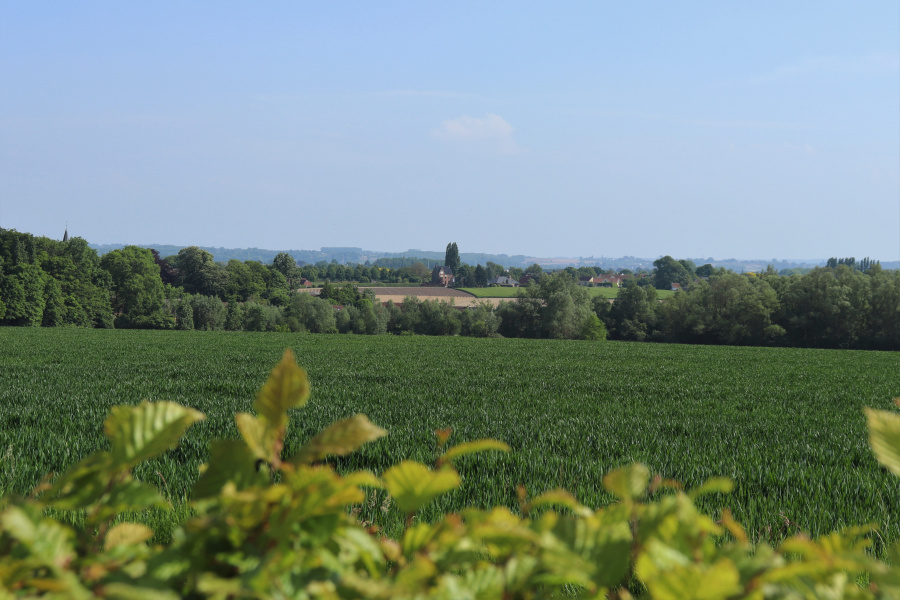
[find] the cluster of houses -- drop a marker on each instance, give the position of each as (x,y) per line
(443,276)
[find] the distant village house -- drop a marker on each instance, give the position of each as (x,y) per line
(503,281)
(602,281)
(442,275)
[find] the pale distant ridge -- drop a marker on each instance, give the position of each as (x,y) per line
(354,255)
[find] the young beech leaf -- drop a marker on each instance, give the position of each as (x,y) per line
(127,534)
(608,545)
(363,479)
(413,485)
(138,433)
(628,483)
(229,460)
(126,591)
(128,495)
(260,435)
(733,527)
(718,581)
(716,485)
(340,438)
(560,497)
(286,388)
(472,447)
(49,542)
(84,483)
(884,437)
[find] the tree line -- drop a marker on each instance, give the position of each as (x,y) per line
(829,307)
(49,283)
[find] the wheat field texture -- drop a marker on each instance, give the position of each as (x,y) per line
(785,424)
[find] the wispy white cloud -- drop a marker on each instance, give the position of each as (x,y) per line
(491,130)
(427,94)
(872,64)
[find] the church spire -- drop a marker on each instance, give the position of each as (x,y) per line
(66,234)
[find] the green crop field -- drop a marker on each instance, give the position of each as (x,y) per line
(785,424)
(508,292)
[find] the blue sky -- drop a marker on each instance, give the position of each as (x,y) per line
(748,130)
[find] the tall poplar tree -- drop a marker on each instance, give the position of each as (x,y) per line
(451,257)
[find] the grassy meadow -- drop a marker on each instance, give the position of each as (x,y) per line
(785,424)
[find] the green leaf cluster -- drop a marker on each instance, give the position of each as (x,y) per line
(268,526)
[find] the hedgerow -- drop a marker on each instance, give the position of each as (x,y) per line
(267,525)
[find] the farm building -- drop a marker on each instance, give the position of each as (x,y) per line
(442,275)
(503,281)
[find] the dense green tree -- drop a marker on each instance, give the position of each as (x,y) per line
(411,316)
(234,317)
(344,319)
(438,318)
(85,285)
(521,317)
(277,291)
(261,317)
(481,277)
(54,306)
(369,318)
(570,272)
(243,281)
(593,329)
(309,272)
(76,289)
(138,291)
(480,321)
(167,270)
(883,315)
(567,308)
(209,313)
(705,270)
(2,303)
(494,270)
(346,295)
(667,271)
(826,307)
(285,264)
(312,313)
(416,270)
(265,275)
(556,307)
(198,273)
(394,315)
(728,309)
(465,275)
(587,272)
(633,316)
(23,294)
(335,272)
(184,315)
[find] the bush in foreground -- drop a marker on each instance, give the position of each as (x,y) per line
(267,526)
